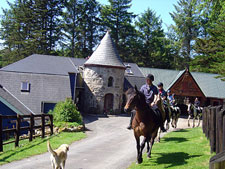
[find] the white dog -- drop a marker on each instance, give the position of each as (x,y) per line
(58,156)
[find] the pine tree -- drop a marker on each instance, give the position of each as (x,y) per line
(155,47)
(116,17)
(186,19)
(30,26)
(211,49)
(80,27)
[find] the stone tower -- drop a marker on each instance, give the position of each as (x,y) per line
(103,76)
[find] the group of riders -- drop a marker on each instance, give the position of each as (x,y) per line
(152,93)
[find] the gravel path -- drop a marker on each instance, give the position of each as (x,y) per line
(109,145)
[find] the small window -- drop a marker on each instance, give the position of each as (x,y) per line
(110,81)
(25,87)
(129,71)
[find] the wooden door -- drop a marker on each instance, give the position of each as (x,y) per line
(108,102)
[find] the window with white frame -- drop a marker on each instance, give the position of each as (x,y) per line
(25,87)
(129,71)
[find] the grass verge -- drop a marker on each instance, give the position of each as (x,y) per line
(183,149)
(37,146)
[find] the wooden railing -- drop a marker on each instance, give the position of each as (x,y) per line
(213,126)
(32,119)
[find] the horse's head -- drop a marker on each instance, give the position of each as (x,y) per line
(134,97)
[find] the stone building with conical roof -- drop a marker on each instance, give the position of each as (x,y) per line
(103,76)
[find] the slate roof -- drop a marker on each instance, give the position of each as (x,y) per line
(14,102)
(105,54)
(131,81)
(43,64)
(165,76)
(211,87)
(135,70)
(133,67)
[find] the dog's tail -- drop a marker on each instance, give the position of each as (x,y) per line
(50,149)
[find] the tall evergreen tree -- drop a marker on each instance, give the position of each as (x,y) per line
(80,27)
(30,26)
(186,19)
(211,49)
(154,44)
(116,17)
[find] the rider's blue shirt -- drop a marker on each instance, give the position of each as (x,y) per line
(171,99)
(149,92)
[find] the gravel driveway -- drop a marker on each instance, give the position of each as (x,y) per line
(109,145)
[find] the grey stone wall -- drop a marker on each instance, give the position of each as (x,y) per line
(96,87)
(47,88)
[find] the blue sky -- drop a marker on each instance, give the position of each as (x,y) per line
(161,7)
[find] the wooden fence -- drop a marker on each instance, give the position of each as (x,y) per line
(213,126)
(43,120)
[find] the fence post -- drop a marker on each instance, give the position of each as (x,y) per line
(42,125)
(208,121)
(51,123)
(213,129)
(17,130)
(223,144)
(203,119)
(31,127)
(1,135)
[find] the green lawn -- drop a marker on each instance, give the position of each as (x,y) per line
(37,146)
(184,149)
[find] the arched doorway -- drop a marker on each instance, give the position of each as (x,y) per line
(108,102)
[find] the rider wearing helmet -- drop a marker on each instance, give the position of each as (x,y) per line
(162,92)
(150,91)
(171,98)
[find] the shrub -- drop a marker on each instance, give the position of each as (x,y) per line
(66,111)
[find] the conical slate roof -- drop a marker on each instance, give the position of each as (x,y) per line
(105,54)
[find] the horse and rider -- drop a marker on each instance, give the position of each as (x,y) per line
(149,114)
(194,110)
(150,92)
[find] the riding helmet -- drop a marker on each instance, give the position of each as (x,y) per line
(150,76)
(160,84)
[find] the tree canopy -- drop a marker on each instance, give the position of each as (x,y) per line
(74,28)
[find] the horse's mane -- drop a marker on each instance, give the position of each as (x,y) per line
(132,91)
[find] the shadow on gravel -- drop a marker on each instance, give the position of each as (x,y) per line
(89,118)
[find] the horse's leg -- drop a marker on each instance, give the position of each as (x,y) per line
(189,116)
(158,137)
(137,145)
(167,125)
(193,121)
(140,159)
(178,115)
(151,145)
(167,119)
(148,147)
(177,121)
(198,120)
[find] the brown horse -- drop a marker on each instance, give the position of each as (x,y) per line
(145,122)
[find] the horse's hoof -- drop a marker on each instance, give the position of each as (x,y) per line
(148,156)
(140,160)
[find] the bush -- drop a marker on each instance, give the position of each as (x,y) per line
(66,111)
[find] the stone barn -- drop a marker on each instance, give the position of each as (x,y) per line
(103,76)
